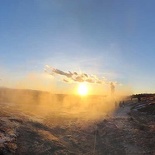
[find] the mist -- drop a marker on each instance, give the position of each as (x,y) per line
(41,104)
(40,95)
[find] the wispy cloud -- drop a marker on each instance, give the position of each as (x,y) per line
(75,76)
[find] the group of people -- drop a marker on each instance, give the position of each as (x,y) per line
(121,104)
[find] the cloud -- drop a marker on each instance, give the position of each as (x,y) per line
(75,76)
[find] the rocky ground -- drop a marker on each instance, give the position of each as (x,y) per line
(128,131)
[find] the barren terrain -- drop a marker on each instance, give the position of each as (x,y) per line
(26,130)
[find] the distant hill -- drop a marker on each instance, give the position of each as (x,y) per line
(144,96)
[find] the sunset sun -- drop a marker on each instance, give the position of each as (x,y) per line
(82,89)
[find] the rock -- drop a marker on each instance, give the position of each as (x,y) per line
(12,147)
(2,141)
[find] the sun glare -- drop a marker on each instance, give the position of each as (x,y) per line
(82,89)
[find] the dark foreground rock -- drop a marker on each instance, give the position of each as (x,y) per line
(143,118)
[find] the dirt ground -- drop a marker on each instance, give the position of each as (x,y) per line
(28,133)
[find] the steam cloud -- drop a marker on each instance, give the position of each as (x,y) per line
(74,76)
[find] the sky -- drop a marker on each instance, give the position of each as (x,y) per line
(107,38)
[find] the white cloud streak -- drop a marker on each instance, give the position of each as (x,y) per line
(75,76)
